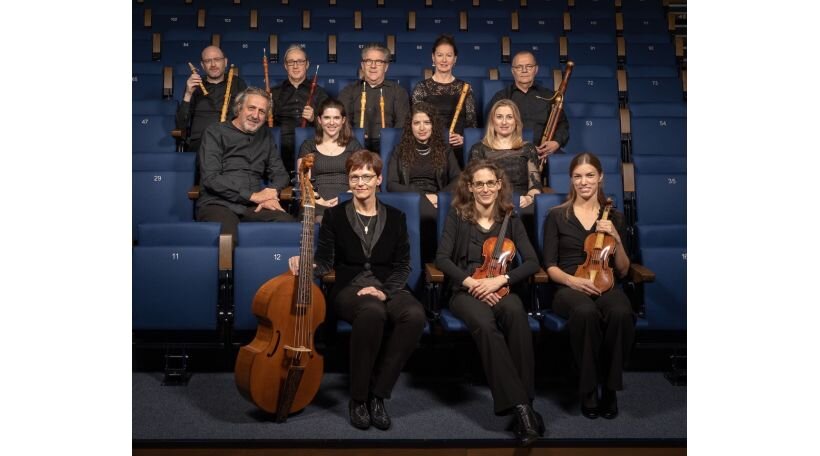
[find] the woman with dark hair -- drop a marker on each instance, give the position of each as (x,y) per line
(366,243)
(503,144)
(601,325)
(422,162)
(333,144)
(443,91)
(498,325)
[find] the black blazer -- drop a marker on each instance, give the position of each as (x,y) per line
(341,248)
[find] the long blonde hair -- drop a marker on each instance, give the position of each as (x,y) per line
(491,139)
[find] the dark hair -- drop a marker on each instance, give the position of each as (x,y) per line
(406,149)
(363,158)
(463,200)
(445,39)
(584,158)
(345,134)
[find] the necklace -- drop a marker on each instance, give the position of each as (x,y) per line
(423,152)
(367,226)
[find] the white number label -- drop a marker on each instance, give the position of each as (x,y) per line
(419,47)
(671,181)
(437,21)
(490,22)
(541,22)
(227,19)
(590,82)
(175,256)
(651,48)
(157,178)
(144,121)
(332,21)
(683,256)
(331,81)
(588,123)
(280,21)
(277,256)
(662,123)
(592,48)
(174,19)
(593,22)
(135,79)
(385,21)
(185,44)
(535,47)
(477,48)
(655,83)
(244,45)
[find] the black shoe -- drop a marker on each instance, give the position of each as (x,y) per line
(359,416)
(514,427)
(589,405)
(609,404)
(527,429)
(378,414)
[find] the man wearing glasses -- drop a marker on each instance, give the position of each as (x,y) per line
(375,89)
(290,100)
(533,101)
(366,243)
(198,110)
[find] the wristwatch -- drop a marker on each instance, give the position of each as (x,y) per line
(507,276)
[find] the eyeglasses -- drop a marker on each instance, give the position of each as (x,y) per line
(521,67)
(491,185)
(365,178)
(214,60)
(371,62)
(295,63)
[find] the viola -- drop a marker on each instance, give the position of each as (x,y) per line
(598,247)
(497,255)
(280,370)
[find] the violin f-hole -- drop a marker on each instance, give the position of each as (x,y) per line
(276,345)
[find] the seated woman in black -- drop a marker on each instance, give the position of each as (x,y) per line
(333,144)
(503,143)
(498,325)
(601,326)
(367,244)
(422,162)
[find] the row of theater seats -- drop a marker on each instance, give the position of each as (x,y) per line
(549,18)
(483,49)
(181,273)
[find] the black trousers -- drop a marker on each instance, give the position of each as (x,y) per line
(601,331)
(504,342)
(428,230)
(229,219)
(376,361)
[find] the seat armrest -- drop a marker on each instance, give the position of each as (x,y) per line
(433,274)
(639,273)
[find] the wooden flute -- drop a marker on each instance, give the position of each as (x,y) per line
(201,85)
(227,99)
(464,89)
(364,102)
(381,105)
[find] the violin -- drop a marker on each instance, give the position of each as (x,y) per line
(497,255)
(598,247)
(280,370)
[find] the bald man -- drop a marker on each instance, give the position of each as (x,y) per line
(197,110)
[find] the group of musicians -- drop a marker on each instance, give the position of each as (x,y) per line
(366,242)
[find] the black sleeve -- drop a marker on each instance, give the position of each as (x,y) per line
(470,120)
(401,106)
(498,96)
(401,261)
(446,249)
(453,171)
(184,112)
(318,97)
(306,147)
(477,152)
(419,94)
(523,246)
(551,238)
(210,169)
(393,182)
(346,99)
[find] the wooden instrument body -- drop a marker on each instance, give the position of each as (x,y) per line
(494,267)
(598,247)
(262,366)
(596,266)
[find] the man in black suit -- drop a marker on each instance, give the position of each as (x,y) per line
(367,245)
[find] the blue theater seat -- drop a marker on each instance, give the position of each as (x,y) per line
(330,20)
(152,133)
(166,17)
(547,22)
(658,128)
(183,46)
(275,19)
(349,45)
(384,20)
(141,46)
(245,47)
(654,90)
(613,182)
(146,80)
(488,19)
(641,53)
(435,21)
(543,47)
(161,195)
(660,198)
(476,48)
(175,277)
(154,107)
(592,53)
(598,23)
(663,250)
(594,127)
(313,42)
(543,203)
(390,137)
(261,253)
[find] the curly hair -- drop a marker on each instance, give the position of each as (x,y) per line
(463,200)
(405,151)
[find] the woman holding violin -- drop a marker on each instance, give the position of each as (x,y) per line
(601,321)
(494,315)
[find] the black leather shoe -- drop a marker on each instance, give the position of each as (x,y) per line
(589,405)
(527,429)
(514,426)
(609,404)
(378,414)
(359,416)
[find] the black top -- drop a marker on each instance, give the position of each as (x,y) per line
(329,172)
(202,110)
(396,106)
(400,177)
(520,165)
(458,261)
(445,99)
(535,111)
(290,101)
(382,262)
(233,163)
(564,238)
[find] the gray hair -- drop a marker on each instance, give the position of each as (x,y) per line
(295,47)
(239,100)
(376,47)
